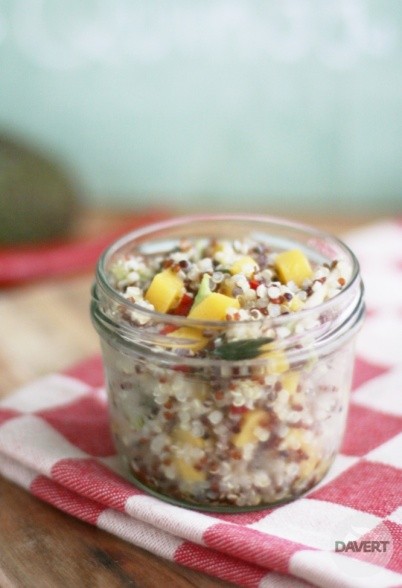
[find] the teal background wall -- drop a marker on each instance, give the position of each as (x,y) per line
(212,103)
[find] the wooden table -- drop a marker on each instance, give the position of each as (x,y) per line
(44,327)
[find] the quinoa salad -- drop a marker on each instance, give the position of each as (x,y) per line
(243,414)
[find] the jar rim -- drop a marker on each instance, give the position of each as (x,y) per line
(178,221)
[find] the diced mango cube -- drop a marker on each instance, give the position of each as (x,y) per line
(196,340)
(295,304)
(245,265)
(185,437)
(165,290)
(290,381)
(307,466)
(188,472)
(277,362)
(295,439)
(227,286)
(250,421)
(293,266)
(213,308)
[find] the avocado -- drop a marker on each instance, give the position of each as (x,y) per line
(38,200)
(203,291)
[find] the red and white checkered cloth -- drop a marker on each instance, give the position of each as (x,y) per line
(55,442)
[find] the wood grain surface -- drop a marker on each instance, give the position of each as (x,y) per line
(44,327)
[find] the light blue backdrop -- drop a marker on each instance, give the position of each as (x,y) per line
(223,103)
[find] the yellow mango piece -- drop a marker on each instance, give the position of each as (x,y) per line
(321,468)
(245,265)
(250,421)
(214,307)
(290,381)
(196,340)
(307,466)
(226,287)
(165,290)
(293,266)
(185,437)
(295,304)
(218,246)
(277,362)
(188,472)
(295,439)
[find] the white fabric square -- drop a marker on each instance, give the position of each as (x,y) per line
(315,523)
(30,440)
(341,463)
(382,291)
(380,340)
(146,536)
(389,453)
(113,462)
(334,570)
(170,518)
(275,580)
(376,244)
(49,392)
(396,516)
(383,393)
(14,471)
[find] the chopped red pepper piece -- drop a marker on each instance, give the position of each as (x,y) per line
(183,308)
(253,284)
(238,409)
(168,329)
(182,368)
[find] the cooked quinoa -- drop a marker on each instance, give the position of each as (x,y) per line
(256,286)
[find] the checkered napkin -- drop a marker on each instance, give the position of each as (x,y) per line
(55,442)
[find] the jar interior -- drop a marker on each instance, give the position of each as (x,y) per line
(217,433)
(227,440)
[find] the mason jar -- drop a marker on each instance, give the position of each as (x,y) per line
(236,431)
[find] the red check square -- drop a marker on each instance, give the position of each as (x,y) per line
(368,429)
(7,413)
(366,370)
(85,423)
(375,488)
(89,371)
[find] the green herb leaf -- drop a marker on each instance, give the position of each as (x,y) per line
(241,349)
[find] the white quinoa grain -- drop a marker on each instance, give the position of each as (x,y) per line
(218,277)
(215,417)
(261,479)
(158,443)
(266,275)
(248,451)
(262,434)
(274,291)
(283,396)
(282,332)
(205,265)
(169,472)
(293,417)
(274,310)
(197,429)
(282,430)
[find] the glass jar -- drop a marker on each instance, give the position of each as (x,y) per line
(222,433)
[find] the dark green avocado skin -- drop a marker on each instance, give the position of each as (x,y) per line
(38,201)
